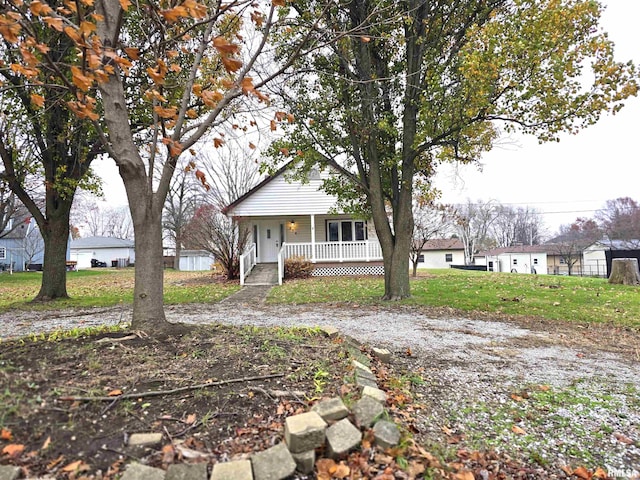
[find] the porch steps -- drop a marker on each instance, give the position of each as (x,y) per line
(263,274)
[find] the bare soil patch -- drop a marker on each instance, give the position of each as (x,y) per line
(39,380)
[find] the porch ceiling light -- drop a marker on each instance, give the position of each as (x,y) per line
(292,226)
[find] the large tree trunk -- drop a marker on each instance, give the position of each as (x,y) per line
(54,272)
(148,305)
(624,271)
(396,274)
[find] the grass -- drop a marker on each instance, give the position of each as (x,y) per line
(105,288)
(578,299)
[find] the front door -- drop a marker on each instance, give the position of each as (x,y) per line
(269,241)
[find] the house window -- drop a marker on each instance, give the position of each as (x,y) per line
(346,230)
(562,261)
(448,257)
(535,261)
(515,261)
(420,258)
(3,253)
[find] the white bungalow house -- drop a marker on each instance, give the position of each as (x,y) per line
(290,218)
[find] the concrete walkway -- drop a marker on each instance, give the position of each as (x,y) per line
(263,274)
(256,286)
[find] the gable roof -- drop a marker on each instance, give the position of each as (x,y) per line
(443,244)
(278,196)
(264,182)
(102,242)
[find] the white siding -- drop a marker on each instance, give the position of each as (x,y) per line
(104,254)
(520,262)
(437,258)
(279,197)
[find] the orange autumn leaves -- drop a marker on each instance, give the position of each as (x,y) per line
(96,63)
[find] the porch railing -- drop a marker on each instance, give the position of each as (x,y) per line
(335,251)
(247,262)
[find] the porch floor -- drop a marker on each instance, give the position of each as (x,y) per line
(263,274)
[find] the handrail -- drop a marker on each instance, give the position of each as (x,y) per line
(281,255)
(247,262)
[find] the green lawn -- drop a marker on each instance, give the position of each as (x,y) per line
(552,297)
(546,296)
(102,288)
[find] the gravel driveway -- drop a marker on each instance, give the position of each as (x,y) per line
(574,396)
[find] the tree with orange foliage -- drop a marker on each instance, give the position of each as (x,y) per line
(155,78)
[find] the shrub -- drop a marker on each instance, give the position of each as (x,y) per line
(297,267)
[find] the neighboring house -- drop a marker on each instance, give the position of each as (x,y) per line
(21,246)
(441,253)
(115,252)
(287,219)
(517,259)
(196,260)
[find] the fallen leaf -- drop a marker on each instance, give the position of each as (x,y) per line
(623,439)
(583,473)
(5,434)
(518,430)
(517,398)
(114,393)
(191,419)
(464,475)
(341,471)
(77,466)
(600,473)
(46,443)
(13,449)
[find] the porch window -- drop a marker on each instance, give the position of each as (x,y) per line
(3,253)
(346,230)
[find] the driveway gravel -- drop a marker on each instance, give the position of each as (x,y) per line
(573,390)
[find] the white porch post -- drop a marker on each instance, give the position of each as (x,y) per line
(313,238)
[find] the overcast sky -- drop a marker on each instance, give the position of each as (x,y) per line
(575,176)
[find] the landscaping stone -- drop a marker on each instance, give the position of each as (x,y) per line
(342,437)
(386,434)
(304,432)
(137,471)
(305,461)
(188,471)
(382,354)
(8,472)
(365,382)
(276,463)
(361,366)
(367,410)
(376,394)
(330,331)
(365,374)
(236,470)
(144,439)
(331,409)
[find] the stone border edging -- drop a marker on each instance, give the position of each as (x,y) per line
(326,425)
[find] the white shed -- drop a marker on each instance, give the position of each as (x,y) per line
(196,260)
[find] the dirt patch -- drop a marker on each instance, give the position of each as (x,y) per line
(461,382)
(44,383)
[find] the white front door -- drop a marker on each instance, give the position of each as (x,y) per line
(269,240)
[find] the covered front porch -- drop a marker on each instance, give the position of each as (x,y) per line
(335,244)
